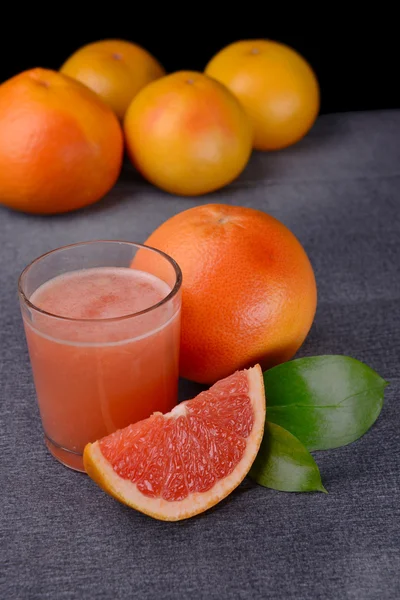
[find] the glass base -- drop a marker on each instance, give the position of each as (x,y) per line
(68,458)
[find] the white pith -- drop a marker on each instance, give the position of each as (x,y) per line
(127,492)
(178,411)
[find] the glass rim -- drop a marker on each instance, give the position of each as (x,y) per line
(170,296)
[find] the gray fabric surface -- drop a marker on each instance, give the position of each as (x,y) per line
(61,537)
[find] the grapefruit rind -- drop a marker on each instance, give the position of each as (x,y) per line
(101,471)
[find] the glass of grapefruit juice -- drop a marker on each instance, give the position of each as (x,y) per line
(102,323)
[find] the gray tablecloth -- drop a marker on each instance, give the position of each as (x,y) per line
(61,537)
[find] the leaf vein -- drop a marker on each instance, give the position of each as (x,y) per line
(338,405)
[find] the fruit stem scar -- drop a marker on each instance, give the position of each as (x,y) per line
(117,56)
(39,81)
(190,81)
(254,51)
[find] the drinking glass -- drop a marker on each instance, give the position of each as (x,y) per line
(94,376)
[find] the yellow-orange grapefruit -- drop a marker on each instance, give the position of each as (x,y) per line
(275,84)
(114,69)
(61,147)
(177,465)
(187,134)
(248,293)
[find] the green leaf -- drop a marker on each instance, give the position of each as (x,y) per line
(283,463)
(325,401)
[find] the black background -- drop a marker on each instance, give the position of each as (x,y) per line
(356,58)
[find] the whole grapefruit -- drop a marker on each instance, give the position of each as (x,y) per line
(275,84)
(187,134)
(114,69)
(248,293)
(61,147)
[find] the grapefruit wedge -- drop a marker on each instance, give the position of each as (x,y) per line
(179,464)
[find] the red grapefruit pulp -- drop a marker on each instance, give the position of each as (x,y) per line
(177,465)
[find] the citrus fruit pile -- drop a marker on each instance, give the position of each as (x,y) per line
(177,465)
(189,133)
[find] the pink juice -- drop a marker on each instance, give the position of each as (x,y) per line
(101,367)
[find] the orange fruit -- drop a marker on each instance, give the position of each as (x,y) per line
(275,84)
(187,134)
(248,291)
(61,147)
(177,465)
(114,69)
